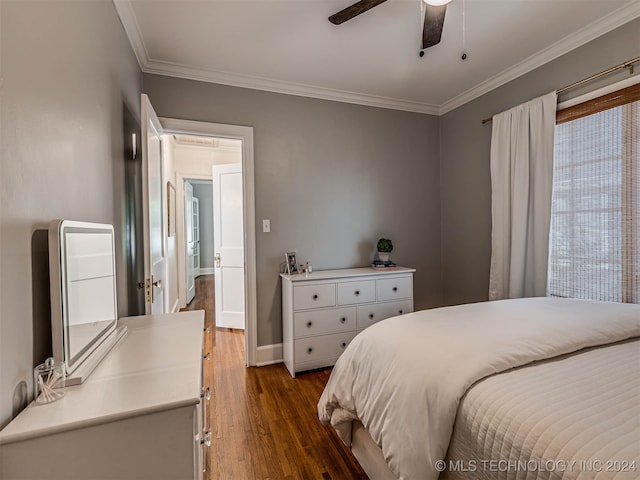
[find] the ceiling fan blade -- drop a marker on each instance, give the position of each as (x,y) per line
(354,10)
(433,22)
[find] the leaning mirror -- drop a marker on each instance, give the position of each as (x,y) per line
(83,295)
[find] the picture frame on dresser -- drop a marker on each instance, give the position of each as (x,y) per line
(292,264)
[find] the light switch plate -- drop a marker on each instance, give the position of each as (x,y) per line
(266,226)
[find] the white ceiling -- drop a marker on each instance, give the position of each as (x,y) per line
(289,46)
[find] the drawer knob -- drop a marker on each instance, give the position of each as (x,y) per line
(395,289)
(309,324)
(357,292)
(344,344)
(315,297)
(343,319)
(309,350)
(400,312)
(207,356)
(371,315)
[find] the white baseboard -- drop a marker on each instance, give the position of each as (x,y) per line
(268,354)
(207,271)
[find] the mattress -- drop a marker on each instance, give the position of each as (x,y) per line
(572,417)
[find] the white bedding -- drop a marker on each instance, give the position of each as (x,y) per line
(403,378)
(572,417)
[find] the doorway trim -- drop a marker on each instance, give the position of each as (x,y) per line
(245,134)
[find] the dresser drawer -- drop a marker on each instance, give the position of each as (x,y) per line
(350,293)
(314,296)
(394,288)
(311,350)
(320,322)
(370,314)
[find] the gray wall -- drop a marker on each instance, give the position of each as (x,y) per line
(465,174)
(332,177)
(69,80)
(204,193)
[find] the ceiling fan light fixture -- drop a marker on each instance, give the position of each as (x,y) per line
(436,3)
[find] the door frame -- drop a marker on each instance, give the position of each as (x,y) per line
(183,221)
(244,134)
(195,216)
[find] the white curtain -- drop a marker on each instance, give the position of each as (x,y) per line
(521,180)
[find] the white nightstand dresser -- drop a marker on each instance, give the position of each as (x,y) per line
(323,311)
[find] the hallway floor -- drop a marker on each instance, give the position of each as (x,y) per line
(264,423)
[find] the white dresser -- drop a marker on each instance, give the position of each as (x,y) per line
(323,311)
(141,414)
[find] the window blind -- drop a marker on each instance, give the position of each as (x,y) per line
(595,219)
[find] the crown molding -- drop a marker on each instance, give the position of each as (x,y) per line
(147,65)
(288,88)
(603,25)
(132,29)
(590,32)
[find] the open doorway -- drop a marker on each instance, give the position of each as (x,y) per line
(211,205)
(210,145)
(214,239)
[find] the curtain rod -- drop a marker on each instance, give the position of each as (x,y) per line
(628,64)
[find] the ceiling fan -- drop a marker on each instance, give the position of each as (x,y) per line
(433,18)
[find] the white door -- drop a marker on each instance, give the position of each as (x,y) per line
(228,240)
(153,218)
(196,237)
(188,215)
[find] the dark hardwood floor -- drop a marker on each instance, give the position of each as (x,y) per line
(265,424)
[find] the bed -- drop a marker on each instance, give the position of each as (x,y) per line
(514,389)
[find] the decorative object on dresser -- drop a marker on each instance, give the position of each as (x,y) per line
(323,311)
(292,265)
(384,247)
(383,265)
(48,381)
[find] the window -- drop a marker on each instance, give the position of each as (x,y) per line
(595,218)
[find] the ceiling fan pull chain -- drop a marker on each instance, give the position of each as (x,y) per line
(464,30)
(422,14)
